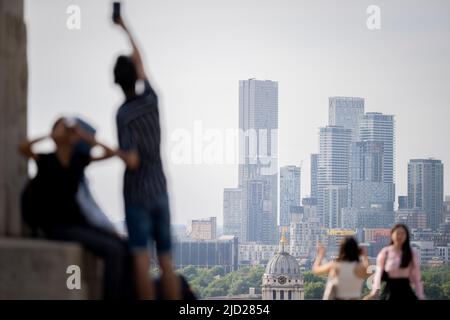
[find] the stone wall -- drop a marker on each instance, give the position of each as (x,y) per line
(29,268)
(37,269)
(13,113)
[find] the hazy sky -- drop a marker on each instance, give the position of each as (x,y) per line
(196,52)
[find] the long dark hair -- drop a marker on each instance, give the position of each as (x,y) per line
(349,250)
(406,247)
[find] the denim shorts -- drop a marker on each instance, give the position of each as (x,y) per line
(149,222)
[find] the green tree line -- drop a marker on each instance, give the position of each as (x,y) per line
(213,282)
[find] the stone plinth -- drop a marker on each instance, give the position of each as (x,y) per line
(36,269)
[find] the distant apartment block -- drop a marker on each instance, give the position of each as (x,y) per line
(314,173)
(203,229)
(426,189)
(333,171)
(232,211)
(290,180)
(346,112)
(377,127)
(207,253)
(375,216)
(253,253)
(413,218)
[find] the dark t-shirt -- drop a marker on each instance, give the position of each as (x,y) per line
(139,129)
(52,192)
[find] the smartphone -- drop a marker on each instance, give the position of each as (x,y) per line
(116,11)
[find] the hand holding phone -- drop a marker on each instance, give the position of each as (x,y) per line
(116,12)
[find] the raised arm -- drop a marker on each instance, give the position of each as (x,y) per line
(318,268)
(361,270)
(25,148)
(136,55)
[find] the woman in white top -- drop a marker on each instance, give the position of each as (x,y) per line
(346,274)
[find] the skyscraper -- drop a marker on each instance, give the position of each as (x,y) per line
(314,164)
(290,177)
(333,164)
(426,189)
(366,162)
(232,212)
(346,112)
(367,187)
(334,200)
(258,168)
(376,127)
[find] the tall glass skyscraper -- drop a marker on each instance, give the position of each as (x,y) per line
(377,127)
(258,168)
(367,187)
(290,177)
(333,166)
(426,189)
(232,212)
(346,112)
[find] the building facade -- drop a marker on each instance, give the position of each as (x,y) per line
(346,112)
(314,174)
(426,189)
(333,165)
(282,279)
(335,198)
(375,216)
(256,253)
(207,253)
(290,195)
(258,159)
(377,127)
(203,229)
(402,202)
(232,212)
(413,218)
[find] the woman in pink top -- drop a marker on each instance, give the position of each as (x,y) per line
(398,267)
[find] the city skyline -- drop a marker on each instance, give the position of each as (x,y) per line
(321,53)
(290,140)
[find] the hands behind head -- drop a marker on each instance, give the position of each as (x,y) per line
(76,133)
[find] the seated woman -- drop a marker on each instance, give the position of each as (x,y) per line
(49,200)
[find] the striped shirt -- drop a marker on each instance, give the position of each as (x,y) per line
(139,129)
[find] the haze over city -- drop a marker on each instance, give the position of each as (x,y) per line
(313,50)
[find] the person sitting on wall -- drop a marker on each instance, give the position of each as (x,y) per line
(49,201)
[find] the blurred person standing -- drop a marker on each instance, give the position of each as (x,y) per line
(147,211)
(398,267)
(346,274)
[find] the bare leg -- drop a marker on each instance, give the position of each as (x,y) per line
(144,284)
(170,282)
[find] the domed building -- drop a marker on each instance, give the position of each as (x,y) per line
(282,279)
